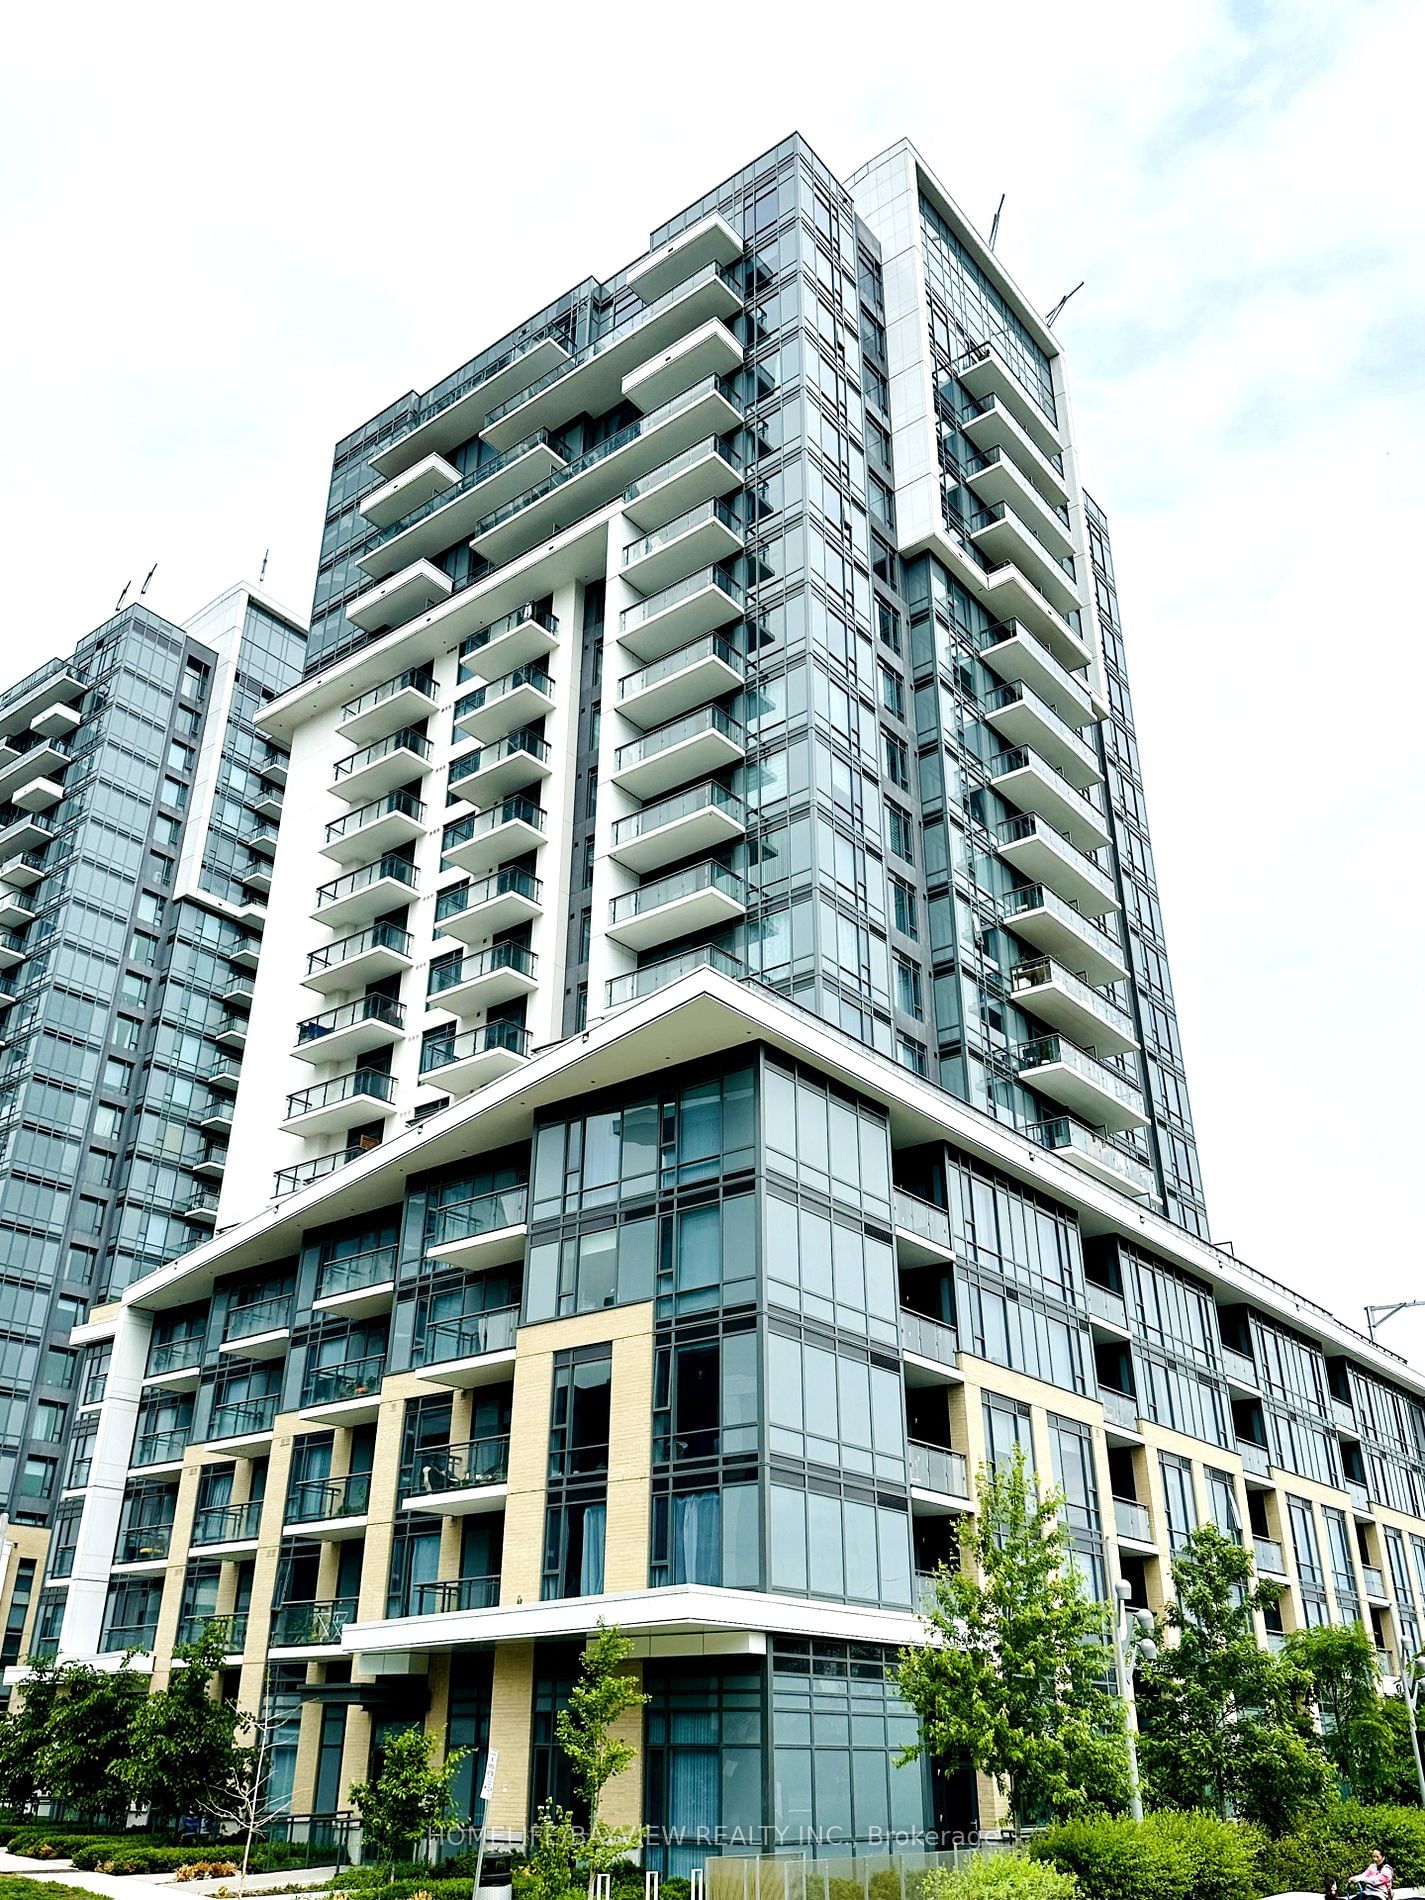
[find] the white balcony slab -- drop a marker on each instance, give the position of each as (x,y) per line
(699,822)
(1058,998)
(403,701)
(661,624)
(522,697)
(457,416)
(453,516)
(713,905)
(1032,785)
(688,677)
(710,350)
(700,754)
(1045,856)
(1019,655)
(705,535)
(398,598)
(711,240)
(705,472)
(411,489)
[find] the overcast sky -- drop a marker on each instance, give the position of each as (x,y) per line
(230,234)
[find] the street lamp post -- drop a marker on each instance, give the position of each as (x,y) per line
(1412,1678)
(1132,1644)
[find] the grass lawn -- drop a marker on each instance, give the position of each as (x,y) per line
(18,1887)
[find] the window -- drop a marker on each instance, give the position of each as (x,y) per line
(1178,1502)
(579,1423)
(892,692)
(49,1421)
(900,832)
(896,759)
(903,907)
(1007,1431)
(908,989)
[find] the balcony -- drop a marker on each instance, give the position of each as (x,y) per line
(488,1231)
(311,1625)
(999,481)
(1132,1523)
(705,472)
(923,1236)
(591,381)
(212,1159)
(527,634)
(144,1546)
(602,473)
(244,1425)
(483,979)
(443,422)
(450,517)
(1360,1498)
(458,1480)
(701,537)
(399,598)
(478,911)
(993,429)
(1093,1155)
(353,962)
(517,699)
(690,676)
(346,1394)
(1049,991)
(1240,1369)
(274,765)
(702,897)
(983,371)
(1018,713)
(157,1448)
(482,840)
(201,1207)
(1019,656)
(462,1353)
(338,1504)
(170,1359)
(934,1344)
(374,830)
(1030,782)
(1055,1067)
(266,1319)
(381,767)
(496,771)
(1009,594)
(12,949)
(404,493)
(938,1477)
(709,351)
(649,978)
(1106,1309)
(1039,852)
(357,1285)
(711,240)
(1374,1580)
(245,953)
(232,1626)
(698,604)
(257,879)
(474,1058)
(361,896)
(25,870)
(460,1593)
(293,1180)
(262,840)
(1120,1413)
(351,1029)
(364,1095)
(54,684)
(405,700)
(1269,1559)
(226,1524)
(696,746)
(236,992)
(1343,1417)
(1254,1458)
(20,833)
(1045,920)
(29,777)
(15,913)
(704,818)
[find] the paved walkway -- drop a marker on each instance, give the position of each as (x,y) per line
(160,1886)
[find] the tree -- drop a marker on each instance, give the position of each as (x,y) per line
(183,1744)
(1223,1724)
(1361,1733)
(23,1730)
(602,1694)
(86,1742)
(409,1797)
(1014,1670)
(243,1802)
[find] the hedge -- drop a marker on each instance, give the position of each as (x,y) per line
(1167,1856)
(999,1877)
(1338,1842)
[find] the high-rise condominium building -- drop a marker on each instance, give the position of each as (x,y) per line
(136,840)
(713,1079)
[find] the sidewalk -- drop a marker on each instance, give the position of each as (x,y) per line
(158,1886)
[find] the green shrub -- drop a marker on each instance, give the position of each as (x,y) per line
(998,1877)
(1169,1856)
(1338,1842)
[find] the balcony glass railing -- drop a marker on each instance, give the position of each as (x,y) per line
(144,1543)
(415,679)
(709,796)
(401,870)
(407,739)
(708,876)
(227,1523)
(1358,1494)
(434,406)
(1035,972)
(461,1593)
(303,1625)
(13,694)
(156,1448)
(475,478)
(681,524)
(663,738)
(1239,1365)
(468,969)
(467,1337)
(477,824)
(366,1009)
(923,1218)
(267,1315)
(929,1338)
(487,1038)
(937,1468)
(315,1500)
(1268,1554)
(1044,1050)
(534,674)
(1064,1132)
(512,746)
(649,978)
(506,882)
(1016,693)
(1119,1408)
(486,1214)
(175,1355)
(1103,1303)
(235,1418)
(354,1271)
(676,465)
(122,1636)
(232,1626)
(1131,1520)
(645,610)
(360,1083)
(711,647)
(1253,1456)
(458,1467)
(405,804)
(379,937)
(1020,758)
(538,616)
(1031,898)
(354,1379)
(1374,1579)
(292,1180)
(1028,824)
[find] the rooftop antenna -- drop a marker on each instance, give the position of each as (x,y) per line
(147,578)
(120,601)
(263,575)
(994,221)
(1057,311)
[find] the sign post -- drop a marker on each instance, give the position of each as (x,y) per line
(487,1788)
